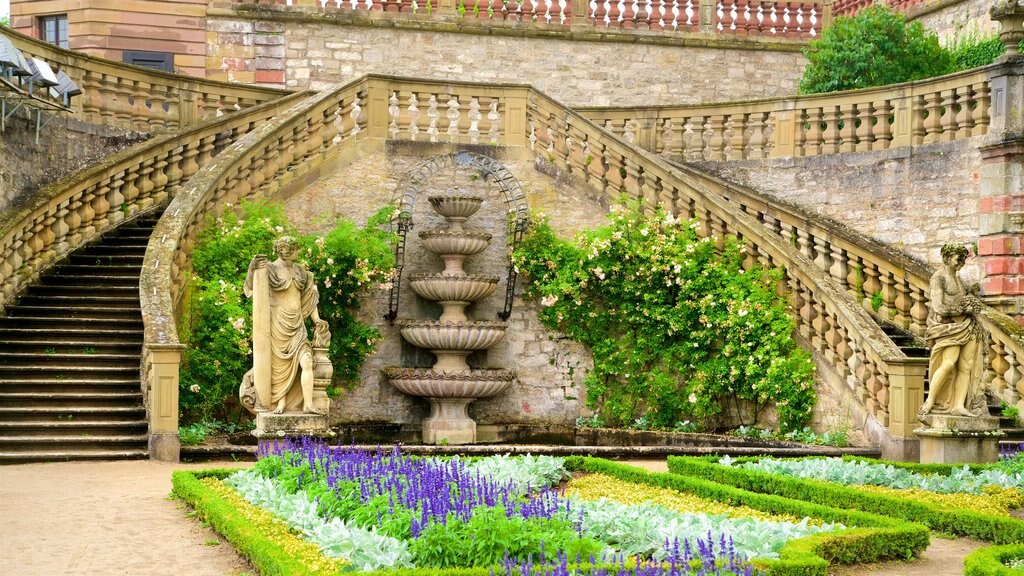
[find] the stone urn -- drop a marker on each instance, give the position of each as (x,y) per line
(1010,15)
(450,384)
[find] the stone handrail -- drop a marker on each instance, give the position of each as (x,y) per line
(935,110)
(362,114)
(772,18)
(840,331)
(891,284)
(64,215)
(141,99)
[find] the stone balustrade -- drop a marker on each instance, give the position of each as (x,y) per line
(940,109)
(777,18)
(841,333)
(140,99)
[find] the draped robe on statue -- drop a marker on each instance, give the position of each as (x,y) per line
(957,330)
(283,294)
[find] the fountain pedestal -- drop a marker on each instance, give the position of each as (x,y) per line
(450,385)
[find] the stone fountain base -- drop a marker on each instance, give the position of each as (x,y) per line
(449,422)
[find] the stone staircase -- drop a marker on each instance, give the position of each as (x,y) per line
(70,355)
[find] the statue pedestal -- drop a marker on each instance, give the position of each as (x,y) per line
(449,423)
(951,439)
(289,425)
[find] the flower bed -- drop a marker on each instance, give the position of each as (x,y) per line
(934,510)
(385,511)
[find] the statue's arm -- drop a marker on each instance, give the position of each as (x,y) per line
(258,261)
(941,299)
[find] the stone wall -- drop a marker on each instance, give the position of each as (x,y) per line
(548,389)
(914,199)
(952,19)
(306,54)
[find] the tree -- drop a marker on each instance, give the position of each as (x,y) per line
(874,48)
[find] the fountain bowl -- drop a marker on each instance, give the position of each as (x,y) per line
(447,287)
(428,383)
(463,243)
(446,335)
(456,206)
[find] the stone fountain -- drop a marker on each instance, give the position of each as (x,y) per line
(450,385)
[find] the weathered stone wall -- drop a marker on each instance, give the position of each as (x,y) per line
(548,389)
(954,19)
(914,199)
(316,55)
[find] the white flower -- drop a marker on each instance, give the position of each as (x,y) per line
(194,388)
(548,300)
(693,398)
(330,261)
(644,232)
(598,272)
(238,324)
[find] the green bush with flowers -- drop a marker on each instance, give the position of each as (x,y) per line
(346,261)
(677,328)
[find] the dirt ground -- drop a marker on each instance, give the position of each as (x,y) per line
(115,518)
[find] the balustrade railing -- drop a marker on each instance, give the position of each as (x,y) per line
(140,99)
(942,109)
(772,18)
(833,325)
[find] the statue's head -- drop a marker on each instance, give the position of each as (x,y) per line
(286,247)
(954,253)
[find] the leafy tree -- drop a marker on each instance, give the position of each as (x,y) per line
(5,21)
(874,48)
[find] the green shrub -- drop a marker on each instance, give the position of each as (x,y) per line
(874,48)
(678,329)
(971,50)
(994,561)
(345,261)
(997,529)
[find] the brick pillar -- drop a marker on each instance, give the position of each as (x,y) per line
(1001,205)
(269,44)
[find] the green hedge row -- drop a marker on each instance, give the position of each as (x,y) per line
(996,529)
(268,557)
(989,561)
(875,537)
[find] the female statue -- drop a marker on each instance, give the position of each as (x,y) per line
(953,331)
(284,294)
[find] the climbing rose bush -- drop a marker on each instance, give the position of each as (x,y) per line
(346,261)
(678,329)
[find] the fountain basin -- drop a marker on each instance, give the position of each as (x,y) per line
(438,335)
(464,243)
(447,287)
(439,384)
(456,206)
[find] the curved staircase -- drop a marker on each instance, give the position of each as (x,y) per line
(70,352)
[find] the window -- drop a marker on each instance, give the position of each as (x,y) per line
(54,29)
(155,60)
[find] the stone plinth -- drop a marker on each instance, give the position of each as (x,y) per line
(449,423)
(271,426)
(950,439)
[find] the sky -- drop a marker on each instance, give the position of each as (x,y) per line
(5,7)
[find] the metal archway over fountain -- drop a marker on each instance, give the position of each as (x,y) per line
(451,384)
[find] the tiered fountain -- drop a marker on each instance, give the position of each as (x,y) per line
(450,385)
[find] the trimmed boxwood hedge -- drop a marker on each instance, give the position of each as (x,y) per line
(996,529)
(989,561)
(875,538)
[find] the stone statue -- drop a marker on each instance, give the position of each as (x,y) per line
(956,338)
(284,294)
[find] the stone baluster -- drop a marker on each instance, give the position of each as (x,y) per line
(299,144)
(222,140)
(737,138)
(158,117)
(92,96)
(864,134)
(145,199)
(314,136)
(108,99)
(808,314)
(284,158)
(498,10)
(843,352)
(140,100)
(933,123)
(116,199)
(855,364)
(847,133)
(528,12)
(716,142)
(555,11)
(888,292)
(756,147)
(855,276)
(101,206)
(812,133)
(872,285)
(125,107)
(950,102)
(614,14)
(979,115)
(918,310)
(393,109)
(830,138)
(822,253)
(329,123)
(130,190)
(803,243)
(964,121)
(901,304)
(474,120)
(882,129)
(189,165)
(881,396)
(1013,376)
(839,269)
(615,176)
(175,172)
(494,121)
(998,365)
(204,154)
(160,192)
(599,14)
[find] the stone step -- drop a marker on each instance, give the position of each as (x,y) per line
(62,454)
(52,359)
(54,289)
(126,310)
(70,426)
(83,336)
(90,281)
(21,399)
(54,346)
(31,416)
(87,257)
(135,251)
(81,322)
(53,386)
(130,300)
(31,372)
(93,269)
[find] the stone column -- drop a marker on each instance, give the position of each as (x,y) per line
(165,360)
(1001,205)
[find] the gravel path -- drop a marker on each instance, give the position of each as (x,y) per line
(115,518)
